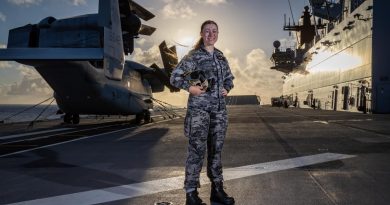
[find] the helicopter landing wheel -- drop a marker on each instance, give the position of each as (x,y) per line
(139,117)
(75,119)
(147,117)
(67,118)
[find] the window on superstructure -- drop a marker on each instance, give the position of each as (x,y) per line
(355,4)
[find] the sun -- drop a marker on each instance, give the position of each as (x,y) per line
(184,44)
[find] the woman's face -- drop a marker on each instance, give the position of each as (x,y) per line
(209,34)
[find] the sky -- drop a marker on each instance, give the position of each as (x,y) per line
(247,29)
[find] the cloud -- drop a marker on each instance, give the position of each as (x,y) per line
(78,2)
(181,9)
(31,86)
(23,71)
(213,2)
(3,17)
(27,71)
(4,89)
(255,77)
(31,89)
(140,41)
(28,91)
(32,83)
(37,2)
(148,57)
(25,2)
(5,65)
(5,98)
(178,9)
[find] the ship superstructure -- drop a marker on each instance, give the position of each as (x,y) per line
(332,67)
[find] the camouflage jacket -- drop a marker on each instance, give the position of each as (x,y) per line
(216,69)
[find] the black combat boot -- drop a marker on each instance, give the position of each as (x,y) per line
(218,195)
(192,198)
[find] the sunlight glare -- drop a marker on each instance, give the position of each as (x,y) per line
(184,45)
(328,61)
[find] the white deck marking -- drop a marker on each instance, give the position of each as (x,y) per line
(323,122)
(33,133)
(174,183)
(352,120)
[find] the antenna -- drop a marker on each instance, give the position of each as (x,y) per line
(292,16)
(314,19)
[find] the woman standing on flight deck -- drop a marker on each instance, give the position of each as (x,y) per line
(206,120)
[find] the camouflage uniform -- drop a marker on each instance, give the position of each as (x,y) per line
(206,120)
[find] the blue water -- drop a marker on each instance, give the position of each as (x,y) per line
(7,110)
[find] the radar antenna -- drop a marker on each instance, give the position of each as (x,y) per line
(292,16)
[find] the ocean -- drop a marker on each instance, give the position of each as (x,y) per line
(27,113)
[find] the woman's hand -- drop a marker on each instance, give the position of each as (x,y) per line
(224,92)
(196,90)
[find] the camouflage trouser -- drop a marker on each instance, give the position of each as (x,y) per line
(204,129)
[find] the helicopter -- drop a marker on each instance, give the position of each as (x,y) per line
(82,58)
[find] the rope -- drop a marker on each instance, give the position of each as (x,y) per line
(165,109)
(32,122)
(29,108)
(164,112)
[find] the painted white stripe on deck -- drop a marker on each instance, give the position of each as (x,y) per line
(33,133)
(323,122)
(174,183)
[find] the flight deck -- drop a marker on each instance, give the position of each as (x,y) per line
(271,155)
